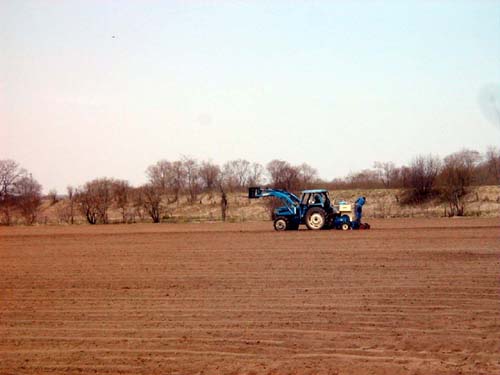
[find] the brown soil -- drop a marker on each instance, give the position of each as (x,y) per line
(407,297)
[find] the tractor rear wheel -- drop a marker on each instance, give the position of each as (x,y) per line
(315,218)
(280,224)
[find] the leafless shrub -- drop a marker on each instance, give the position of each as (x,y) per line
(28,198)
(423,172)
(151,199)
(209,175)
(456,176)
(95,199)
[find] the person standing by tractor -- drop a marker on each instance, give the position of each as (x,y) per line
(358,208)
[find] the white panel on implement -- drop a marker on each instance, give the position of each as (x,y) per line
(344,207)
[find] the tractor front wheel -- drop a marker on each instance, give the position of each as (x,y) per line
(315,218)
(280,224)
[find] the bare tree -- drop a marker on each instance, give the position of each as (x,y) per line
(404,177)
(104,193)
(151,197)
(209,175)
(65,210)
(28,198)
(178,181)
(95,198)
(423,172)
(307,175)
(87,204)
(493,165)
(193,181)
(236,174)
(456,176)
(138,204)
(388,173)
(256,174)
(160,175)
(121,197)
(10,173)
(168,177)
(283,175)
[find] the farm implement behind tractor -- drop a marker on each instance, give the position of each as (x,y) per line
(314,209)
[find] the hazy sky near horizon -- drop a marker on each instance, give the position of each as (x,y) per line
(106,88)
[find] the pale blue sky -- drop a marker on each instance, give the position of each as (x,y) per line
(335,84)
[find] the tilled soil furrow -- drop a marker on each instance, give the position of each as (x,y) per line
(412,297)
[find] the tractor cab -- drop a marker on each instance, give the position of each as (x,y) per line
(317,198)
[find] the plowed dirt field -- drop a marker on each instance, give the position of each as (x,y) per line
(419,296)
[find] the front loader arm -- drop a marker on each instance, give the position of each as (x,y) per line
(288,198)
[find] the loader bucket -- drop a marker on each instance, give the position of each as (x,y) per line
(254,192)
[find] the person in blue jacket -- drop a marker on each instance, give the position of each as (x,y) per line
(358,208)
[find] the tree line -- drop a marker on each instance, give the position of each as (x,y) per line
(167,181)
(429,177)
(425,177)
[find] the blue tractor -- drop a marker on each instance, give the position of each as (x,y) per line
(314,209)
